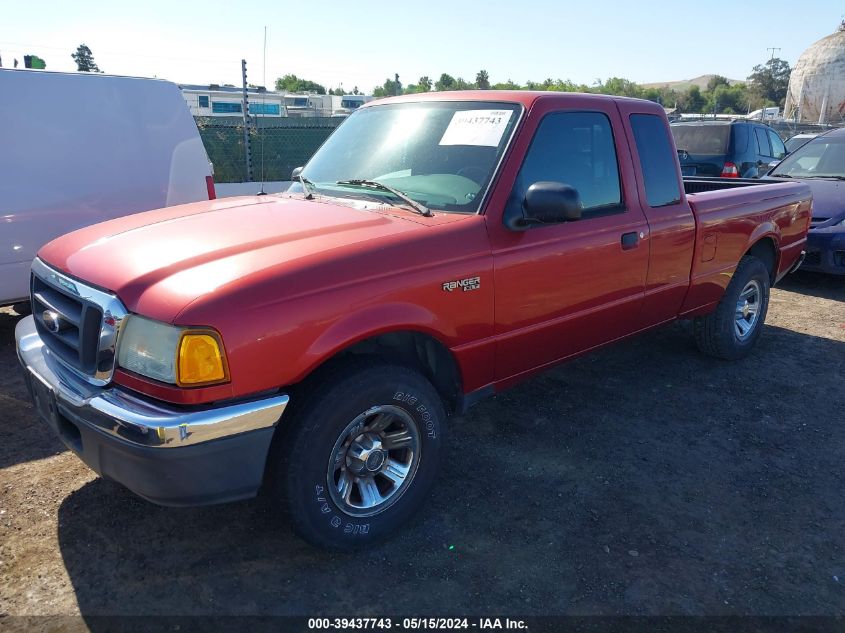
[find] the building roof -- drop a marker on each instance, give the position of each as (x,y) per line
(232,89)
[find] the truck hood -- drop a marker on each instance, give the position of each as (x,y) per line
(160,261)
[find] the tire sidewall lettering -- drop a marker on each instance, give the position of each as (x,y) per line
(334,517)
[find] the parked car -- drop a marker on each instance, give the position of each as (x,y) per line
(440,248)
(80,148)
(728,149)
(821,164)
(799,140)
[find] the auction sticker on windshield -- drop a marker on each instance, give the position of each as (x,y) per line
(476,127)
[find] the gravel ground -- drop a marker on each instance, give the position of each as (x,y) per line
(644,479)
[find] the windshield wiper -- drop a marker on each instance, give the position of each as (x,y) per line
(375,184)
(780,176)
(829,177)
(309,186)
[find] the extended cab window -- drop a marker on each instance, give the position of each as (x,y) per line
(574,148)
(657,158)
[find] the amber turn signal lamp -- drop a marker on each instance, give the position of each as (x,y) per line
(201,360)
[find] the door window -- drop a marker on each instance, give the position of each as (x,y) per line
(778,148)
(762,142)
(577,149)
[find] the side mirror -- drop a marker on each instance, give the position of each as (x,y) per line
(552,202)
(296,171)
(545,203)
(772,165)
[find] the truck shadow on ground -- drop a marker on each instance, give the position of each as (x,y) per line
(22,437)
(816,285)
(644,479)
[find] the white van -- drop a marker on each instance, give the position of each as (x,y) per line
(80,148)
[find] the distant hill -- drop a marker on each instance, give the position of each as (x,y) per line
(686,84)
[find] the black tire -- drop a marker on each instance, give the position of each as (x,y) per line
(716,333)
(302,455)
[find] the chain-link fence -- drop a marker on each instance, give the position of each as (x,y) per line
(280,144)
(788,129)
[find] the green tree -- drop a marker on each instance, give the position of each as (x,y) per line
(507,85)
(695,102)
(482,80)
(84,59)
(619,87)
(292,83)
(446,82)
(725,99)
(715,81)
(769,82)
(389,88)
(423,85)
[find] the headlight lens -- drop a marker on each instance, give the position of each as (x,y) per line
(175,355)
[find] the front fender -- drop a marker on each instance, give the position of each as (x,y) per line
(370,322)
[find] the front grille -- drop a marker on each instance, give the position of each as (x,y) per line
(77,340)
(79,324)
(813,258)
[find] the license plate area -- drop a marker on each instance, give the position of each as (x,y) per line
(688,170)
(44,399)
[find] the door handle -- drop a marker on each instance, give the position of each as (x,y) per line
(630,240)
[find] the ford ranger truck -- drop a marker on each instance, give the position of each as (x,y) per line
(436,250)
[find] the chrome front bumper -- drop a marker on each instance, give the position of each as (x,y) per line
(171,455)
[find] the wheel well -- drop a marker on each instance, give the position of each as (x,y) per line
(420,351)
(766,251)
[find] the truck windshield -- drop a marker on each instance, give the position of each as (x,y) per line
(441,154)
(707,140)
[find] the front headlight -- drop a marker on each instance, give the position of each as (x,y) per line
(171,354)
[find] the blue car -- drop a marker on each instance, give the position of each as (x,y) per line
(821,164)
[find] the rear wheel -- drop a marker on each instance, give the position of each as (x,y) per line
(731,331)
(359,457)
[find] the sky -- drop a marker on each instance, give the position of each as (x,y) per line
(363,42)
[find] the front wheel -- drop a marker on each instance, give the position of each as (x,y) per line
(360,455)
(731,331)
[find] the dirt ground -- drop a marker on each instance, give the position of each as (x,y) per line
(644,479)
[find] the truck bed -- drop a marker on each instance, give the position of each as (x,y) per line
(732,213)
(700,184)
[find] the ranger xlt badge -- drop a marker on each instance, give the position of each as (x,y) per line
(472,283)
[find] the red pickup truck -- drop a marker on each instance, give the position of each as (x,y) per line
(437,249)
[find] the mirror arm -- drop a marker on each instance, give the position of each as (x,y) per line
(518,222)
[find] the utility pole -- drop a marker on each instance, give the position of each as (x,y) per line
(771,67)
(245,107)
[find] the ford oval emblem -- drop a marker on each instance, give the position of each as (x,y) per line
(52,321)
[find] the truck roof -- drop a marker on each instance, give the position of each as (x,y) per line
(524,97)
